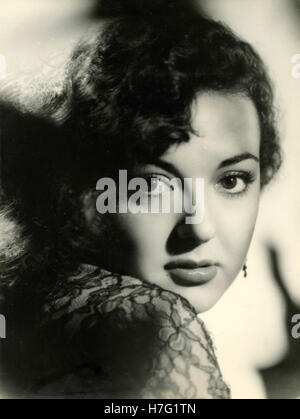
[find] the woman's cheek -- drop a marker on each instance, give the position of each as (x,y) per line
(237,224)
(148,233)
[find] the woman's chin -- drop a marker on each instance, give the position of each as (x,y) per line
(202,297)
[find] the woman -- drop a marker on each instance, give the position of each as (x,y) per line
(109,302)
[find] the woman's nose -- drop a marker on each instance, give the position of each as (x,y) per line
(202,231)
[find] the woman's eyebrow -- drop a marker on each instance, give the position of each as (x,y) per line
(237,159)
(168,167)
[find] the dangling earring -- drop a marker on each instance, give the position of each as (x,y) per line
(245,270)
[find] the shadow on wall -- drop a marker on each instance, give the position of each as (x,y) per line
(283,380)
(297,6)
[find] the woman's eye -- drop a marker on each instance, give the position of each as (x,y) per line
(235,183)
(157,185)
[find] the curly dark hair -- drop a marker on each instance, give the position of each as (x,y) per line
(127,98)
(129,90)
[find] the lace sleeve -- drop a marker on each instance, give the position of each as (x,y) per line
(130,338)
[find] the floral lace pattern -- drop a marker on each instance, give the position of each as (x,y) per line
(128,338)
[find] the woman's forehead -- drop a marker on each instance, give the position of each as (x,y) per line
(225,125)
(231,113)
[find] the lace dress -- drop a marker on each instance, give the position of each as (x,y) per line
(110,336)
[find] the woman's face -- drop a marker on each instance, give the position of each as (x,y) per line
(200,261)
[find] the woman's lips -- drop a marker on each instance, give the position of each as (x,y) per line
(189,273)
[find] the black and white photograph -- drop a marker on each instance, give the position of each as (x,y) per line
(149,201)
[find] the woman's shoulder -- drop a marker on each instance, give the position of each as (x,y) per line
(100,294)
(147,340)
